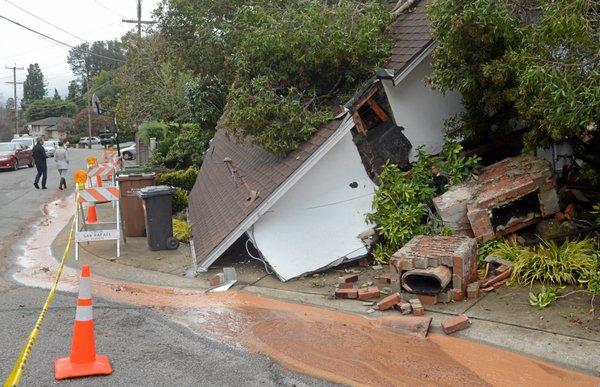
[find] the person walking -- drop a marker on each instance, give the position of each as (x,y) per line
(39,156)
(61,156)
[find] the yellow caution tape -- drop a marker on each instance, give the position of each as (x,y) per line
(17,372)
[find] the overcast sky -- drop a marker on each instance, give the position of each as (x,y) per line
(88,19)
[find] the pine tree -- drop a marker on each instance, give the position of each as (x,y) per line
(56,95)
(33,87)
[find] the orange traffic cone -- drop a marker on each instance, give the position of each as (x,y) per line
(83,360)
(92,217)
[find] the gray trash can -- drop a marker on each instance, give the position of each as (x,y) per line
(158,211)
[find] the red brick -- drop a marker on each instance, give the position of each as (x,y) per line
(457,266)
(417,307)
(346,293)
(368,293)
(473,290)
(385,278)
(427,300)
(348,278)
(389,301)
(458,295)
(216,280)
(346,285)
(456,323)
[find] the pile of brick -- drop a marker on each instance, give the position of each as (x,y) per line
(435,268)
(507,196)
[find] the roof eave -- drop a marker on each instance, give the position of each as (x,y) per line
(414,62)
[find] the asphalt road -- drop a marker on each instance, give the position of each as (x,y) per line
(145,349)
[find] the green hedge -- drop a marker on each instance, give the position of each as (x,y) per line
(184,179)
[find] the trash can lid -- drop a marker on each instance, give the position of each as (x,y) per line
(136,176)
(155,190)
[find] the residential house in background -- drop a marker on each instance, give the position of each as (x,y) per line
(304,212)
(51,127)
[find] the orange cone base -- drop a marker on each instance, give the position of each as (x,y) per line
(65,369)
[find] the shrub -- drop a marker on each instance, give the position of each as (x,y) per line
(551,263)
(184,179)
(180,200)
(182,230)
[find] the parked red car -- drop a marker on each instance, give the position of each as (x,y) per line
(14,155)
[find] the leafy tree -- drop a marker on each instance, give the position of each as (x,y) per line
(74,90)
(291,61)
(557,67)
(33,86)
(106,89)
(99,123)
(88,60)
(151,87)
(472,39)
(56,95)
(520,61)
(49,107)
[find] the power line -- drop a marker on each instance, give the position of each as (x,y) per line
(43,20)
(109,9)
(54,44)
(58,41)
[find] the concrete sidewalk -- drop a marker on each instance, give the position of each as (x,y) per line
(564,333)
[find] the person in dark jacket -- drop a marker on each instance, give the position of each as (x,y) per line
(39,156)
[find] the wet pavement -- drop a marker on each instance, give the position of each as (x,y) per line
(325,344)
(144,347)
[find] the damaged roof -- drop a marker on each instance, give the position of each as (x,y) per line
(410,32)
(218,202)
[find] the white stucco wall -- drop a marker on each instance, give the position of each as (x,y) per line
(420,110)
(316,222)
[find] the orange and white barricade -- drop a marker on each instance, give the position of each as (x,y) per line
(97,231)
(101,175)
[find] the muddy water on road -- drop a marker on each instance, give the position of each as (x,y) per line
(333,345)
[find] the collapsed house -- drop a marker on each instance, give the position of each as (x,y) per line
(303,212)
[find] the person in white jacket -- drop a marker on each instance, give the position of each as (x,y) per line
(61,156)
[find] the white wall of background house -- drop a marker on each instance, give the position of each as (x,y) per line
(317,221)
(420,110)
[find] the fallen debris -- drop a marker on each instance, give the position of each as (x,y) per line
(389,301)
(403,307)
(385,278)
(473,290)
(405,324)
(455,324)
(348,278)
(506,196)
(435,268)
(368,293)
(417,307)
(217,279)
(229,279)
(346,293)
(346,285)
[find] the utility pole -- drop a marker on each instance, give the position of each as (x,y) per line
(14,83)
(89,108)
(139,20)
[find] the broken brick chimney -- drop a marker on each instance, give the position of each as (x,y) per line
(507,196)
(434,268)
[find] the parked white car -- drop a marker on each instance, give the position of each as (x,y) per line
(129,153)
(25,141)
(50,147)
(86,140)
